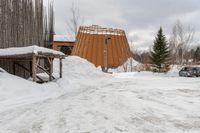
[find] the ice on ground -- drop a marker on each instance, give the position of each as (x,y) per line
(89,101)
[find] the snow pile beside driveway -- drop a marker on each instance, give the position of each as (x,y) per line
(16,92)
(145,74)
(77,73)
(2,70)
(130,65)
(76,67)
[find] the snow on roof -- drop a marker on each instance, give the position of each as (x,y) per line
(27,50)
(96,29)
(63,38)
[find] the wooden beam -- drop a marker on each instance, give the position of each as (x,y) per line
(28,56)
(30,67)
(60,68)
(37,61)
(41,80)
(50,69)
(14,68)
(34,70)
(44,70)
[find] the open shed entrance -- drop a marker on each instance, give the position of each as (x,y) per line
(29,61)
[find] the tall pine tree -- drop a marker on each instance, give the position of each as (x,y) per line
(160,53)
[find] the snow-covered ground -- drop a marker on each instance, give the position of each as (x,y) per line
(89,101)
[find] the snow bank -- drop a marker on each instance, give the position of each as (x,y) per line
(173,72)
(145,74)
(76,73)
(130,65)
(26,50)
(17,91)
(2,70)
(74,66)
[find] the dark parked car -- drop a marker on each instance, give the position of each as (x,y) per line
(196,71)
(190,72)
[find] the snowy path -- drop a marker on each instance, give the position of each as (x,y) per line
(139,104)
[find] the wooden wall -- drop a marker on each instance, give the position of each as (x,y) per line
(91,44)
(24,23)
(63,46)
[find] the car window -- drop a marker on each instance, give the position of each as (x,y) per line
(198,68)
(194,68)
(186,68)
(183,69)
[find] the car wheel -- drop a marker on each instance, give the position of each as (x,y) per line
(188,75)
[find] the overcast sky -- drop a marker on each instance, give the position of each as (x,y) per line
(140,19)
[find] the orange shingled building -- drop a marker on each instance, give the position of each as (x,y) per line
(105,47)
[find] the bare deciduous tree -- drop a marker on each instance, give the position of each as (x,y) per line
(75,20)
(180,41)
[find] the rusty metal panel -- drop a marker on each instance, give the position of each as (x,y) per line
(102,46)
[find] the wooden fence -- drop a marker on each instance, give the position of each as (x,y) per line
(24,23)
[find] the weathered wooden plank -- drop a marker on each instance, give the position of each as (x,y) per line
(51,69)
(34,68)
(60,68)
(44,70)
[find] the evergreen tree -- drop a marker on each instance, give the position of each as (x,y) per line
(160,53)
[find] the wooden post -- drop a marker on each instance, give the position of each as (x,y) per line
(14,67)
(30,68)
(50,69)
(60,67)
(34,68)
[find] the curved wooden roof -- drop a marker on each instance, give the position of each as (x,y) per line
(102,46)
